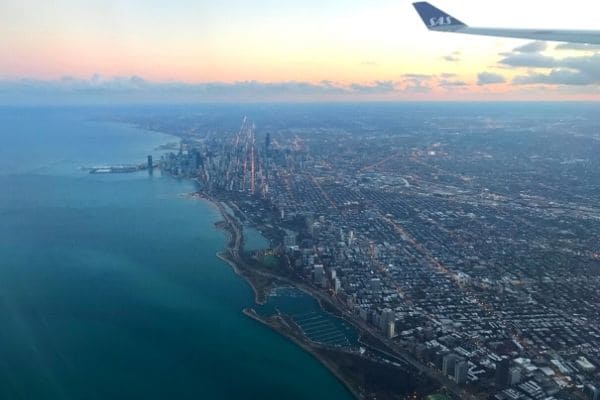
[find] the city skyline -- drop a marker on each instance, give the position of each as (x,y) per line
(293,51)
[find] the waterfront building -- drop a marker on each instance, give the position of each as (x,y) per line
(337,284)
(502,372)
(449,364)
(514,376)
(460,372)
(319,274)
(591,392)
(391,329)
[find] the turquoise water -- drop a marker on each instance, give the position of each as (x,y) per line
(109,285)
(253,240)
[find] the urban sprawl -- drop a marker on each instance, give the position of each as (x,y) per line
(474,251)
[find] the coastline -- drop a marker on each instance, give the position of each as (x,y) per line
(261,293)
(258,299)
(306,346)
(261,283)
(353,370)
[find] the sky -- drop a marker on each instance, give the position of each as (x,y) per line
(308,50)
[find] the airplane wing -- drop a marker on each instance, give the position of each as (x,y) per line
(438,21)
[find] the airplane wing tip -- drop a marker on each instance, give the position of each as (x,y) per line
(436,19)
(439,21)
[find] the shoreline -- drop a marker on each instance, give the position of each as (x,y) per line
(236,238)
(231,254)
(344,365)
(239,273)
(307,346)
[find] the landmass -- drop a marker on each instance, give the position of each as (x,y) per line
(462,246)
(364,376)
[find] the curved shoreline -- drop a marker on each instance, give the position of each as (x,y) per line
(350,368)
(236,239)
(306,347)
(235,268)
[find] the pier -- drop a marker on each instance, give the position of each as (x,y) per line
(122,168)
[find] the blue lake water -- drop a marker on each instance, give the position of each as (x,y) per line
(109,284)
(253,240)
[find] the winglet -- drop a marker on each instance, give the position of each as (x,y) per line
(435,19)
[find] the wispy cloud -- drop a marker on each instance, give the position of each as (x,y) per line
(578,47)
(556,77)
(531,47)
(452,83)
(455,56)
(528,60)
(489,78)
(377,87)
(417,83)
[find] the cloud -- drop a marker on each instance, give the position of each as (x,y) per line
(532,47)
(528,55)
(417,83)
(589,65)
(452,83)
(68,84)
(136,86)
(97,89)
(582,70)
(418,76)
(549,70)
(489,78)
(528,60)
(260,89)
(453,57)
(377,87)
(555,77)
(578,47)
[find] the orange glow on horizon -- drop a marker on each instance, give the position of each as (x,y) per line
(198,43)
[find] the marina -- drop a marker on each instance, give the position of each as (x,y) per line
(316,324)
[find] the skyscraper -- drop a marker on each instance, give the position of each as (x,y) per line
(502,372)
(514,375)
(591,392)
(449,364)
(150,165)
(267,143)
(197,159)
(391,329)
(460,372)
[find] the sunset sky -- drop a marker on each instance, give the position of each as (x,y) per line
(289,50)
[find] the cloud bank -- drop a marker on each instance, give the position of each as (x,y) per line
(97,89)
(543,69)
(137,89)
